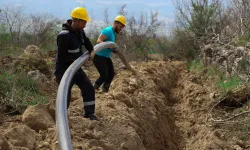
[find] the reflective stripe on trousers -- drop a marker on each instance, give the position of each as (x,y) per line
(74,50)
(89,103)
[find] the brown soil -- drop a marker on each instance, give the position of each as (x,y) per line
(164,107)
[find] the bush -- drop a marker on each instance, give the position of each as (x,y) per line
(229,84)
(195,65)
(244,39)
(183,45)
(18,91)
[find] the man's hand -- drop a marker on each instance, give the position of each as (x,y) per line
(114,50)
(92,55)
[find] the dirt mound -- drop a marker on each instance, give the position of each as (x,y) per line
(38,117)
(32,50)
(4,145)
(30,60)
(15,135)
(28,63)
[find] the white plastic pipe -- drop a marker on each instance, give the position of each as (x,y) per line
(62,94)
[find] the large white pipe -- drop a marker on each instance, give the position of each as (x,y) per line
(62,94)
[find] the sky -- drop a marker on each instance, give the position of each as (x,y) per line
(95,8)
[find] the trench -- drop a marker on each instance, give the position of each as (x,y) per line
(160,132)
(139,115)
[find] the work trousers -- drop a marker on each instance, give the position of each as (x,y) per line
(105,68)
(87,89)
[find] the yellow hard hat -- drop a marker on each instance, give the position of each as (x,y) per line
(121,19)
(80,13)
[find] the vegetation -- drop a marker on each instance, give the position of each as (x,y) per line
(18,91)
(223,84)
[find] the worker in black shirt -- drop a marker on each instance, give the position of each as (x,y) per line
(71,44)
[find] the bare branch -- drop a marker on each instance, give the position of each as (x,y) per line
(122,10)
(106,16)
(14,19)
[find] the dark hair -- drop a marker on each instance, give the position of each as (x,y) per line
(118,22)
(69,21)
(75,19)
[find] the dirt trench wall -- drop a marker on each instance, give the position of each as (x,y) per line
(150,96)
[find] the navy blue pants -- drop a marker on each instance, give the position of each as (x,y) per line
(105,68)
(87,89)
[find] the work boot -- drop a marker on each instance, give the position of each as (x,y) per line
(90,116)
(96,86)
(105,87)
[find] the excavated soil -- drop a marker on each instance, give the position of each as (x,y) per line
(163,107)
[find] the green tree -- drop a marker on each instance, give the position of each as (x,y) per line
(196,15)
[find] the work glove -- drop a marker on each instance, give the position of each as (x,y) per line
(114,50)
